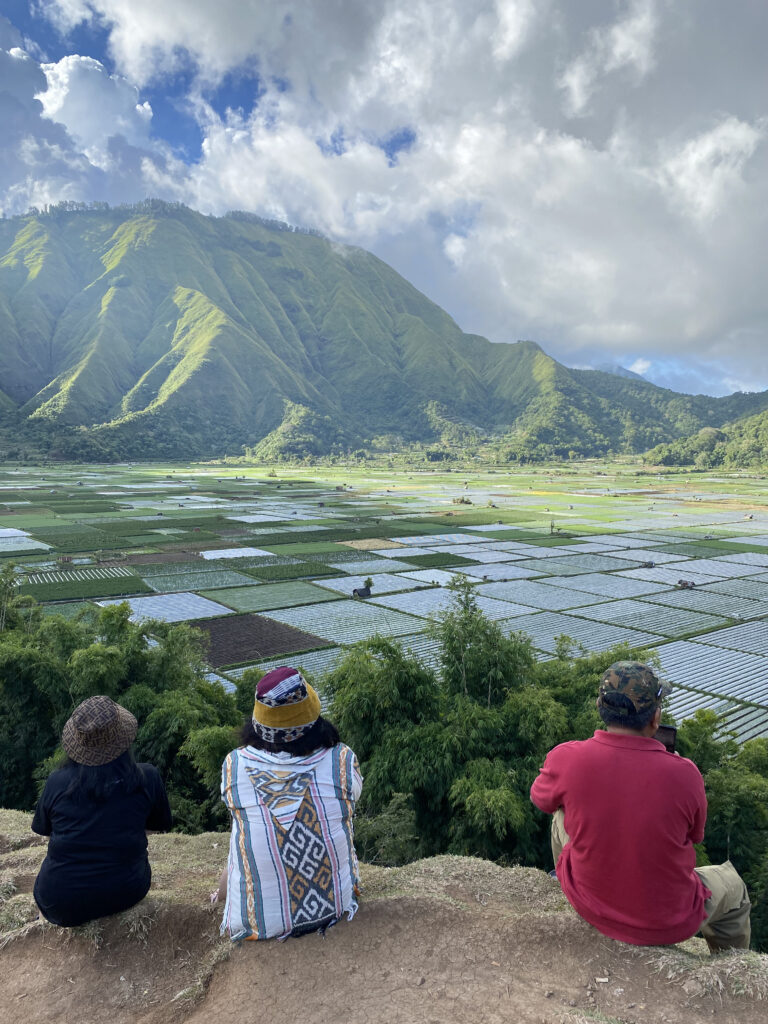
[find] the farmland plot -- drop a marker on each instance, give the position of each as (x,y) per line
(669,576)
(484,554)
(235,553)
(661,619)
(639,555)
(264,596)
(313,663)
(749,637)
(346,622)
(198,580)
(715,670)
(238,638)
(432,577)
(536,594)
(19,545)
(439,539)
(545,627)
(706,600)
(432,602)
(717,567)
(498,571)
(171,607)
(383,583)
(370,567)
(72,575)
(401,552)
(747,557)
(573,565)
(603,585)
(755,590)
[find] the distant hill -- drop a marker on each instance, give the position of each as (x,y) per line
(737,445)
(153,330)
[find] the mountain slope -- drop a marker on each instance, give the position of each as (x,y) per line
(155,330)
(740,444)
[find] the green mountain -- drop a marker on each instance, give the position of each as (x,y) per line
(153,330)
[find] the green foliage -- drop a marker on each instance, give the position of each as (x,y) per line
(461,743)
(296,571)
(68,590)
(737,445)
(49,664)
(476,659)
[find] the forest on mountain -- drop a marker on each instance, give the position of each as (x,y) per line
(448,754)
(155,331)
(737,446)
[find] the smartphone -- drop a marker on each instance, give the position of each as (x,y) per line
(667,734)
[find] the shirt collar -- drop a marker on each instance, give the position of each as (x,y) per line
(618,739)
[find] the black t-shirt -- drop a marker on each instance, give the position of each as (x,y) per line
(97,854)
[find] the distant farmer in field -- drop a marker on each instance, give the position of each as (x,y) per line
(626,815)
(97,809)
(291,790)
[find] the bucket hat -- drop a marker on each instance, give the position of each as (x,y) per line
(98,731)
(285,706)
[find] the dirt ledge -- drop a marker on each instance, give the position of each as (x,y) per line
(443,940)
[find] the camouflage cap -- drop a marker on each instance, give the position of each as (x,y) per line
(636,681)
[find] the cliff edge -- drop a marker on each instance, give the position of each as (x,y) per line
(442,940)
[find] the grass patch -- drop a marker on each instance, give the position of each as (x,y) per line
(71,589)
(292,572)
(436,560)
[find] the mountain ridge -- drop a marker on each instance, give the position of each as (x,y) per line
(157,330)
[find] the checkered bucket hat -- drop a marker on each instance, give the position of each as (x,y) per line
(98,731)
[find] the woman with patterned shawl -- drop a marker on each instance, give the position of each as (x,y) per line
(291,792)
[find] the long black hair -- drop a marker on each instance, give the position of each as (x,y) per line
(321,734)
(99,782)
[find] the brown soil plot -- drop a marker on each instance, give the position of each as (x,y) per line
(237,638)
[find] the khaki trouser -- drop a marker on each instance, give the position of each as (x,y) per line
(727,923)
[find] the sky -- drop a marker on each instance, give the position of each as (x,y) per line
(591,175)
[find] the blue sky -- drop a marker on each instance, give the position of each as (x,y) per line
(590,176)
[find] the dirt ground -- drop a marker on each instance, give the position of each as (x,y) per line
(446,940)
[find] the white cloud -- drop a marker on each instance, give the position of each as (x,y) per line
(598,185)
(94,106)
(627,44)
(641,366)
(707,169)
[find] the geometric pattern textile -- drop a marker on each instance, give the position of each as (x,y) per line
(292,865)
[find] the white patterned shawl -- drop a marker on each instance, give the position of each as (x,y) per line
(292,862)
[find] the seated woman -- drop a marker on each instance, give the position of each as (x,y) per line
(291,791)
(97,809)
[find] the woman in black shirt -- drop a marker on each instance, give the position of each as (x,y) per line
(97,809)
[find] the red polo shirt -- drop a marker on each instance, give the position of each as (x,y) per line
(632,813)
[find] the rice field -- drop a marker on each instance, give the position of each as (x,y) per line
(558,554)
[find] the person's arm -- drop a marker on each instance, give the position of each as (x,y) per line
(41,822)
(159,818)
(546,791)
(356,778)
(696,833)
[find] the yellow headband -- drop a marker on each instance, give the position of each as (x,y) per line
(289,716)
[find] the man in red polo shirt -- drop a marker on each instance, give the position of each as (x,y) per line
(626,815)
